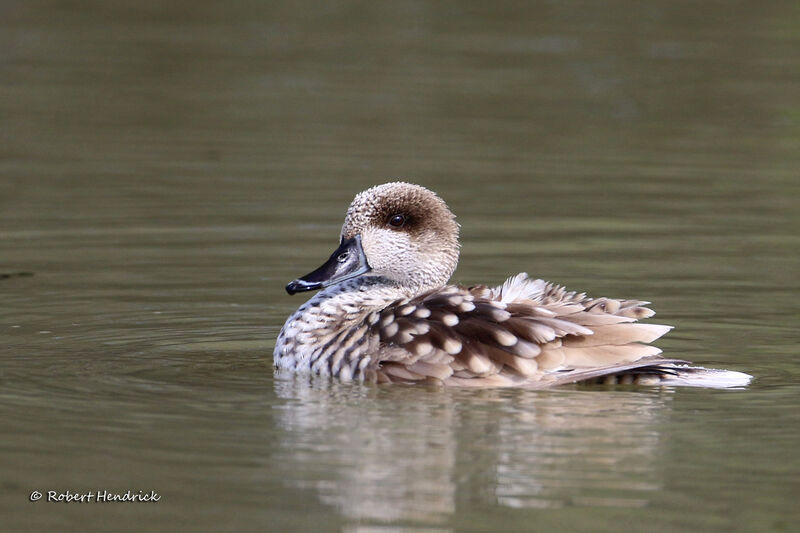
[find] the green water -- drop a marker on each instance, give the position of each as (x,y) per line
(166,169)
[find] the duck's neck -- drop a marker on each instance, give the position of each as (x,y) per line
(359,295)
(308,330)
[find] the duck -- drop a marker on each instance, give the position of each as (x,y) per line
(386,313)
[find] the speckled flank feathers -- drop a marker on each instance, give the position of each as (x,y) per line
(401,322)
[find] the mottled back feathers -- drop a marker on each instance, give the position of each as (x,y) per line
(520,332)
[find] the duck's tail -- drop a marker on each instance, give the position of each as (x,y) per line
(654,371)
(697,376)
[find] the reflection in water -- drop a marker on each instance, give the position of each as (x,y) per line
(396,462)
(412,454)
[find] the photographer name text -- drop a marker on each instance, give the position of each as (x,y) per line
(96,496)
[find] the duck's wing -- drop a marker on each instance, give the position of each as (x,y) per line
(523,332)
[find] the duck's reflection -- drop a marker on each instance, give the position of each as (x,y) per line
(412,454)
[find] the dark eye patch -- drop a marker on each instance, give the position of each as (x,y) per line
(397,221)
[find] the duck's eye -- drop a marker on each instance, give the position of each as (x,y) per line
(343,257)
(397,221)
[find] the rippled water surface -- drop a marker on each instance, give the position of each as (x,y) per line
(166,169)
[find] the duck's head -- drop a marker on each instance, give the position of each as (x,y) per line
(399,231)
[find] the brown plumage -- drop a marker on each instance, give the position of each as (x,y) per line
(542,340)
(386,314)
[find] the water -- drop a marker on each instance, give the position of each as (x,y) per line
(165,170)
